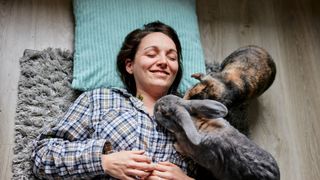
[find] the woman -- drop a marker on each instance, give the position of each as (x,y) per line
(111,133)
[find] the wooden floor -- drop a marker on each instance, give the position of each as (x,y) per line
(26,24)
(284,119)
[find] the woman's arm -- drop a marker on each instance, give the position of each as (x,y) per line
(67,150)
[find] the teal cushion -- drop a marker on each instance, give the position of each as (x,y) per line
(101,26)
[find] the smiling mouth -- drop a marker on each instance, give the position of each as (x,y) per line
(162,72)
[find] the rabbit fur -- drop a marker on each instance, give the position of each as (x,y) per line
(205,136)
(245,74)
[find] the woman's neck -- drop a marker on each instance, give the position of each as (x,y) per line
(148,100)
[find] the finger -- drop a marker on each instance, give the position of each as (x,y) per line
(129,178)
(167,163)
(136,172)
(161,174)
(141,166)
(152,177)
(162,167)
(125,177)
(141,158)
(168,170)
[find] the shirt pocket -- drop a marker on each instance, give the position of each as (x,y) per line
(119,127)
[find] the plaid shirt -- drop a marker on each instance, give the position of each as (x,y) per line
(73,147)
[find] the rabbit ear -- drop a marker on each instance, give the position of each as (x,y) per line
(201,77)
(185,121)
(206,108)
(198,76)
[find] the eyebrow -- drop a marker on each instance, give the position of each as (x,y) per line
(155,47)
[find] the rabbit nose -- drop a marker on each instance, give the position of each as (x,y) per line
(159,105)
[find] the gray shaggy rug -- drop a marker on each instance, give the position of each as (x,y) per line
(44,93)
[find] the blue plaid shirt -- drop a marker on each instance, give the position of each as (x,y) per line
(73,147)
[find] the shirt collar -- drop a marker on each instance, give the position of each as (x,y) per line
(134,100)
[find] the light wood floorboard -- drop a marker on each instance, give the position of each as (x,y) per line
(6,158)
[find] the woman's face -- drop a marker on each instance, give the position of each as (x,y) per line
(155,65)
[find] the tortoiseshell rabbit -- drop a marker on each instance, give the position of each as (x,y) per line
(243,75)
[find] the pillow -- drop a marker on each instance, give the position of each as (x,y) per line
(101,27)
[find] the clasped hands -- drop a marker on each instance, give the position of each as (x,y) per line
(130,165)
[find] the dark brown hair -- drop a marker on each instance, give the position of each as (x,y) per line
(130,47)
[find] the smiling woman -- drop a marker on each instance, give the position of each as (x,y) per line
(154,66)
(163,43)
(111,132)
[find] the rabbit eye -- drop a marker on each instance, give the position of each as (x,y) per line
(197,96)
(167,113)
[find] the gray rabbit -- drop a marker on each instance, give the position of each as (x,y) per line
(205,136)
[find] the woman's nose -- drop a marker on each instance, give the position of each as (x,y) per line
(162,60)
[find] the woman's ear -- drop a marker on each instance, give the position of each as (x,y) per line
(129,66)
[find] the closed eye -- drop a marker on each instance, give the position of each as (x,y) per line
(151,54)
(172,58)
(172,55)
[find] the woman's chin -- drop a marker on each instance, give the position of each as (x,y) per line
(159,86)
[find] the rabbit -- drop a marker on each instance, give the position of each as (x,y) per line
(205,136)
(243,75)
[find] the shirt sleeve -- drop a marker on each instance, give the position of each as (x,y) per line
(67,150)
